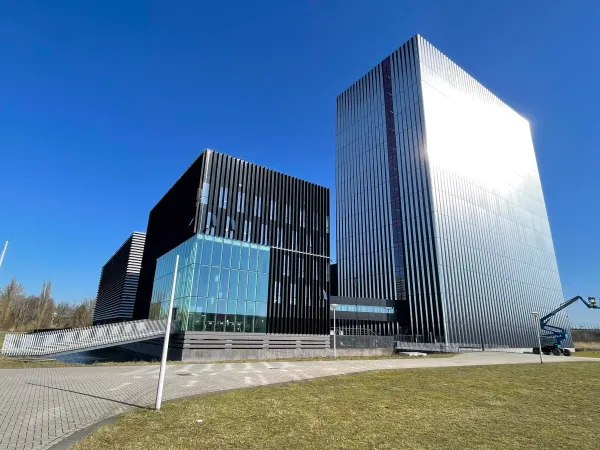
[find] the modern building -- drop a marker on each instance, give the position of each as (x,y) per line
(440,206)
(253,248)
(119,282)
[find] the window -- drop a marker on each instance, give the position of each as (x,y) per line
(206,252)
(251,295)
(287,214)
(234,280)
(257,206)
(277,292)
(235,256)
(241,199)
(273,213)
(243,285)
(293,293)
(213,289)
(216,254)
(253,259)
(262,287)
(326,224)
(226,257)
(263,261)
(207,227)
(204,193)
(223,192)
(224,283)
(285,264)
(203,281)
(244,258)
(302,217)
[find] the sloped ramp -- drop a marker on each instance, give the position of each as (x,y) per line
(60,342)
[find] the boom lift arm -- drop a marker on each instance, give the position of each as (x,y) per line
(559,334)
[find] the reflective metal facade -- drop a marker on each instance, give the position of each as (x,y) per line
(461,240)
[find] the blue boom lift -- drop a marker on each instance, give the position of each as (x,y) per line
(552,340)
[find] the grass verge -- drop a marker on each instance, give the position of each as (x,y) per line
(588,354)
(491,407)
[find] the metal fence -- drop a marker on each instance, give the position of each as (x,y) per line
(414,343)
(585,326)
(63,341)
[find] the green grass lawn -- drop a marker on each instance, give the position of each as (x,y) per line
(550,406)
(588,354)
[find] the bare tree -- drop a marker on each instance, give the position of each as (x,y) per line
(45,304)
(83,313)
(10,295)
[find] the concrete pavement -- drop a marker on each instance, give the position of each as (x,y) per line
(39,408)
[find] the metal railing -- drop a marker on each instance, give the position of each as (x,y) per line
(585,326)
(74,339)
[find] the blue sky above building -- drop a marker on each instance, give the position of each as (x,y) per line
(105,104)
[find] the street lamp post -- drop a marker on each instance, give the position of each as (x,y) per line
(3,253)
(334,307)
(163,361)
(536,320)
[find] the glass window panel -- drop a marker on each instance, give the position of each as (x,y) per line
(253,259)
(211,305)
(230,323)
(245,256)
(249,308)
(224,283)
(241,307)
(213,288)
(203,281)
(220,322)
(262,289)
(242,285)
(210,322)
(206,252)
(260,325)
(216,254)
(231,306)
(235,256)
(251,295)
(221,306)
(226,255)
(233,284)
(249,324)
(261,310)
(263,261)
(239,323)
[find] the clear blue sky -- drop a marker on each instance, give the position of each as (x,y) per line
(105,103)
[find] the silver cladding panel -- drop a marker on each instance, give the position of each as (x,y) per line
(477,253)
(495,252)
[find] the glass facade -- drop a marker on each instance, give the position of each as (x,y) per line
(365,308)
(222,285)
(440,205)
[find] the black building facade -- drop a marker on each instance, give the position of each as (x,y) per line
(119,282)
(226,197)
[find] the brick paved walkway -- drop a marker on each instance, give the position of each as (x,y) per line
(41,407)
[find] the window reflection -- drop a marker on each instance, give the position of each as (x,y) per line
(212,293)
